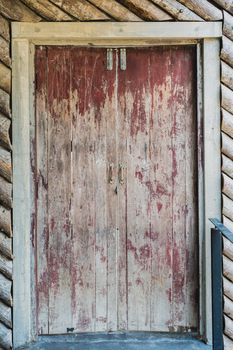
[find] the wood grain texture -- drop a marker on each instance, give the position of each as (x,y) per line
(227,207)
(5,246)
(59,172)
(228,343)
(5,78)
(42,224)
(146,10)
(177,10)
(228,268)
(5,124)
(15,10)
(227,25)
(225,5)
(5,193)
(227,50)
(116,10)
(204,9)
(227,145)
(6,267)
(5,221)
(5,164)
(228,288)
(227,248)
(227,123)
(227,186)
(227,166)
(5,103)
(4,28)
(82,10)
(228,329)
(227,75)
(47,10)
(227,98)
(5,337)
(5,315)
(228,307)
(116,223)
(5,52)
(228,223)
(5,290)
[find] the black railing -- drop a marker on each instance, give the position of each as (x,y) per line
(217,280)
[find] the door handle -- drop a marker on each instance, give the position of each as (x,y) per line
(121,174)
(110,173)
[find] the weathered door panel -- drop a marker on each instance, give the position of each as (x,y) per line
(94,202)
(117,207)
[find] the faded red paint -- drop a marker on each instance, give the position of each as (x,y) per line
(141,231)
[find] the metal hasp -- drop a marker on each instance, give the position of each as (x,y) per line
(123,59)
(109,59)
(217,288)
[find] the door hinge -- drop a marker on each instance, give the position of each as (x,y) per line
(109,59)
(123,59)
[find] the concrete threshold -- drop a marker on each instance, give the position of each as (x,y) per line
(119,341)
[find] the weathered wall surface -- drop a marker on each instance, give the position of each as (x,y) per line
(105,10)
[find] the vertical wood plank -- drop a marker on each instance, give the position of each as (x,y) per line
(137,107)
(83,202)
(122,121)
(191,163)
(59,190)
(112,193)
(161,197)
(41,190)
(98,90)
(179,93)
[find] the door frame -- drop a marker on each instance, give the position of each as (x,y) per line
(206,36)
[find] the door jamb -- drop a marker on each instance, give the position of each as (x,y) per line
(25,36)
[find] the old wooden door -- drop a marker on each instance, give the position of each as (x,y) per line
(116,190)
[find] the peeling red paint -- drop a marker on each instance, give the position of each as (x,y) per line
(152,235)
(159,206)
(139,235)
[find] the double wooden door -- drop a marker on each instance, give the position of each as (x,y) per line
(116,190)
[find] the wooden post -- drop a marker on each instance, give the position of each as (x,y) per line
(217,297)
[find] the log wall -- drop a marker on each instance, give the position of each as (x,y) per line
(108,10)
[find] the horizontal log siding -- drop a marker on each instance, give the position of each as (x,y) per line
(107,10)
(227,165)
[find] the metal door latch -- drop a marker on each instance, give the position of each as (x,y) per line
(123,59)
(109,59)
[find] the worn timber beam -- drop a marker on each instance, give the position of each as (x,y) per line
(82,10)
(4,28)
(177,10)
(5,290)
(204,9)
(47,10)
(5,164)
(5,315)
(5,337)
(227,50)
(228,329)
(146,10)
(5,103)
(114,9)
(227,75)
(15,10)
(6,267)
(5,124)
(227,166)
(227,145)
(125,30)
(227,98)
